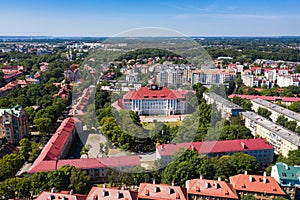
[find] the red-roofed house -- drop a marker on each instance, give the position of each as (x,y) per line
(161,191)
(210,189)
(262,187)
(97,193)
(155,100)
(60,195)
(257,147)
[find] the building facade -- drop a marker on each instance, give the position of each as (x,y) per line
(258,148)
(282,139)
(13,124)
(155,100)
(213,76)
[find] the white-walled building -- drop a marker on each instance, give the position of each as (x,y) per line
(276,110)
(155,100)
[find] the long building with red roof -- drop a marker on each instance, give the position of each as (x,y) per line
(53,156)
(257,147)
(274,99)
(155,100)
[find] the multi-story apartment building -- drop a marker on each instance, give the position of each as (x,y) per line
(276,110)
(13,124)
(282,139)
(213,76)
(225,107)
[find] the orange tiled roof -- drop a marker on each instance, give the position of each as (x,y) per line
(161,191)
(210,188)
(111,194)
(256,183)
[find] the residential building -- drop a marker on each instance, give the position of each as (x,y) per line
(287,80)
(161,191)
(282,139)
(13,123)
(155,100)
(72,73)
(259,148)
(213,76)
(261,187)
(210,189)
(225,107)
(274,99)
(288,178)
(275,110)
(63,195)
(97,193)
(170,76)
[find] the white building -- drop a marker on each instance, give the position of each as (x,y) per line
(155,100)
(276,110)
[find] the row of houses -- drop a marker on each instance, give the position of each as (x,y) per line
(261,187)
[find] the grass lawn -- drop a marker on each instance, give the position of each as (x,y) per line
(150,126)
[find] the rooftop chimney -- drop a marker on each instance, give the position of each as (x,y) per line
(246,172)
(153,181)
(250,178)
(53,190)
(71,191)
(219,178)
(265,179)
(265,174)
(201,176)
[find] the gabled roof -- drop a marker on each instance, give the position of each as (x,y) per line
(216,146)
(286,172)
(211,188)
(268,98)
(111,194)
(60,195)
(161,191)
(255,183)
(146,93)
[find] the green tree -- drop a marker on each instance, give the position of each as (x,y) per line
(44,125)
(57,180)
(248,197)
(295,107)
(39,182)
(233,132)
(264,112)
(25,148)
(281,120)
(10,165)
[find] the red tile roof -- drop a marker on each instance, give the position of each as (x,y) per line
(211,188)
(267,98)
(146,93)
(46,196)
(216,146)
(161,191)
(111,194)
(255,183)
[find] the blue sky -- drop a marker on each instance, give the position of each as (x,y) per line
(110,17)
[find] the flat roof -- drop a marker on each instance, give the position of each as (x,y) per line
(282,132)
(222,100)
(279,109)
